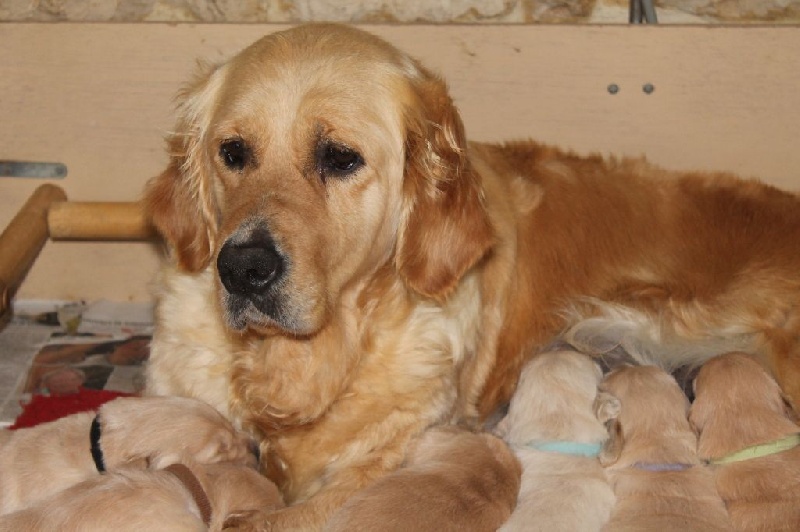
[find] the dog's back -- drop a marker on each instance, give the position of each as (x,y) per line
(40,460)
(677,501)
(455,480)
(560,492)
(764,493)
(562,488)
(739,406)
(129,501)
(137,500)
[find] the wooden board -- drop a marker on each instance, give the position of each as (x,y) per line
(98,97)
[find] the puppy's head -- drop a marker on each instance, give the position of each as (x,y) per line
(449,449)
(645,406)
(306,163)
(238,492)
(553,399)
(736,389)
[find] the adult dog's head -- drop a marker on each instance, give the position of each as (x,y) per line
(306,163)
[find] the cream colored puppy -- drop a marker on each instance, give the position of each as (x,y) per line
(39,461)
(454,480)
(651,458)
(751,442)
(176,499)
(557,437)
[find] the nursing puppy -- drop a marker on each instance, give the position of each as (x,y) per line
(179,498)
(651,458)
(347,270)
(454,480)
(131,431)
(751,442)
(552,427)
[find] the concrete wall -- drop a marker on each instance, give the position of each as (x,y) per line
(400,11)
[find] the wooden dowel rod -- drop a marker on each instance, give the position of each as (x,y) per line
(99,221)
(23,239)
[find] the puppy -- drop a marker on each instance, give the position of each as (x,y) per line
(131,431)
(651,458)
(345,269)
(179,498)
(752,444)
(454,480)
(555,433)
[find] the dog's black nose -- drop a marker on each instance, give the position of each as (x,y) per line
(249,268)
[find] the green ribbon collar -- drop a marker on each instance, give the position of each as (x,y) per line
(760,450)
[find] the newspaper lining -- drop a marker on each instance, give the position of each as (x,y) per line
(53,347)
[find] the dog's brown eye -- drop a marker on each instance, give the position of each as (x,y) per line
(338,161)
(234,154)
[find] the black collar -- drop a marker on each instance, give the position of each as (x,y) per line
(94,439)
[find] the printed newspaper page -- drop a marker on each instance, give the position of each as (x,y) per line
(55,348)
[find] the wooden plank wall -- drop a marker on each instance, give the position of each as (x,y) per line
(98,97)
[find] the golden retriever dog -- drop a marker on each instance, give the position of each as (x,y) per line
(751,442)
(555,424)
(651,458)
(347,270)
(454,480)
(39,461)
(179,498)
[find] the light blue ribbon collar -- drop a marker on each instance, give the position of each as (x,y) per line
(574,448)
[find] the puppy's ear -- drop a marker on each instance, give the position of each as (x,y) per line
(447,228)
(787,408)
(612,448)
(501,429)
(180,202)
(606,407)
(698,415)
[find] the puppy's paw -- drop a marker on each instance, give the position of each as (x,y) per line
(225,446)
(166,430)
(292,519)
(211,446)
(251,521)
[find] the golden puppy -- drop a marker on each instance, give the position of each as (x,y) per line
(179,498)
(347,270)
(651,458)
(454,480)
(131,431)
(750,441)
(555,433)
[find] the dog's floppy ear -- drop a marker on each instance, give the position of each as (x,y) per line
(612,448)
(607,408)
(180,201)
(447,228)
(788,410)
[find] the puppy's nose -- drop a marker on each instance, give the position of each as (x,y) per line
(249,268)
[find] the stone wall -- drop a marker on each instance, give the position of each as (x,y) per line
(397,11)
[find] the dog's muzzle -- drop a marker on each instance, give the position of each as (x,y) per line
(249,269)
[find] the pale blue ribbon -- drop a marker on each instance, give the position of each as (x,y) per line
(575,448)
